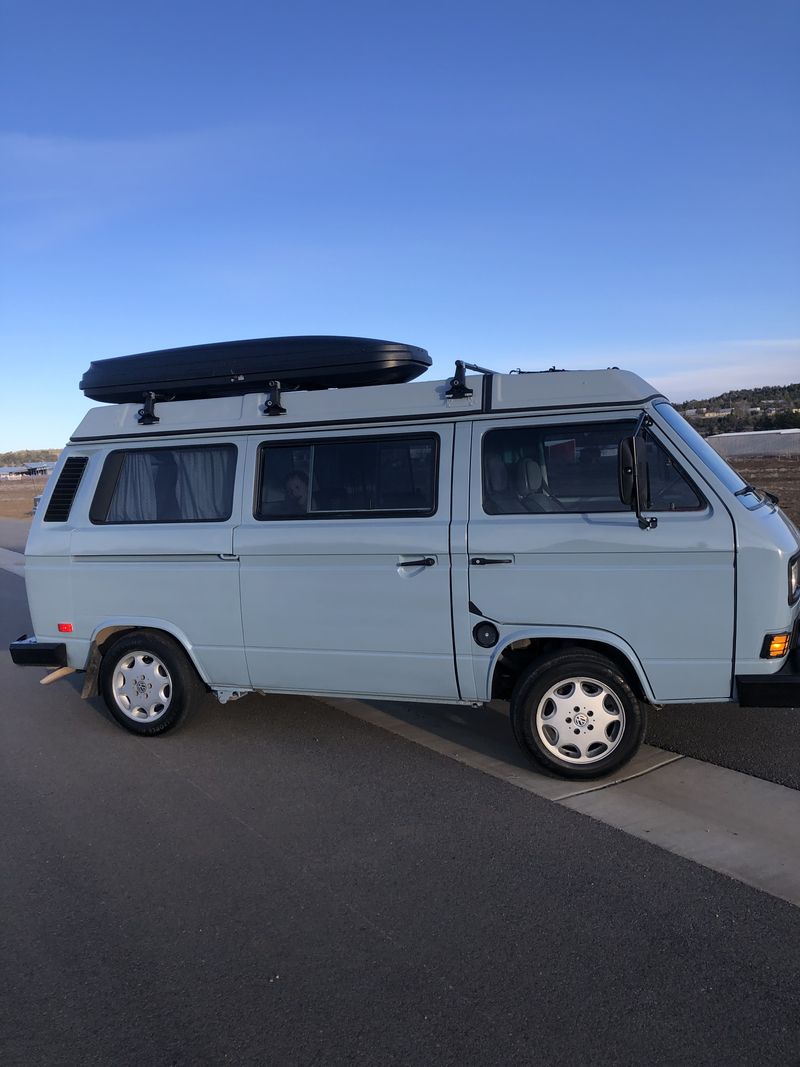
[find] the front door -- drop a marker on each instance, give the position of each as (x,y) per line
(551,545)
(345,563)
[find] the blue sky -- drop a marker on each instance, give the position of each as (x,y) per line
(517,184)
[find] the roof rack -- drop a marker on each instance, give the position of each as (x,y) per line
(550,370)
(458,383)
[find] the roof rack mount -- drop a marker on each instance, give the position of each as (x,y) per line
(458,383)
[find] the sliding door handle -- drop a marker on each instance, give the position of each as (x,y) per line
(483,561)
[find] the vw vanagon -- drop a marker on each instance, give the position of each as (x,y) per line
(562,540)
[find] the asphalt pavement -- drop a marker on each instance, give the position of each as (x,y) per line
(279,882)
(764,742)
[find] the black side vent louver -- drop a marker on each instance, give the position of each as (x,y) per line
(65,490)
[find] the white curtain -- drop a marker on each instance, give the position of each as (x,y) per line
(174,485)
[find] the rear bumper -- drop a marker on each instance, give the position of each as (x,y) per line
(28,652)
(779,690)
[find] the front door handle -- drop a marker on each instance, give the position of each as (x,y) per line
(428,561)
(482,561)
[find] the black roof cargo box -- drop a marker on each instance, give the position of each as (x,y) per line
(235,367)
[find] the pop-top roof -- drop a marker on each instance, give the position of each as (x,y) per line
(539,391)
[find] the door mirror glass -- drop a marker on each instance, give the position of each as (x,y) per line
(633,478)
(627,475)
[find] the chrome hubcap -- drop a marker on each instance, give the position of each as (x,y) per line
(580,720)
(142,686)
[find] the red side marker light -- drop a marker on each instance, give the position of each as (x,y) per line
(65,627)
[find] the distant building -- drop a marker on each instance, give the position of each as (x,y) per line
(28,470)
(757,443)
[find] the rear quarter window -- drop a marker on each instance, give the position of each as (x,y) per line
(161,485)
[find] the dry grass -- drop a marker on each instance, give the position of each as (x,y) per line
(779,474)
(16,496)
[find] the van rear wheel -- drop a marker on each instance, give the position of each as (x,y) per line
(575,715)
(148,683)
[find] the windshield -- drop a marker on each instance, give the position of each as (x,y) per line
(716,464)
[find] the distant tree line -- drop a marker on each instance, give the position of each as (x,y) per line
(780,399)
(28,455)
(755,397)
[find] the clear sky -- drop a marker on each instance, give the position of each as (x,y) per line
(517,184)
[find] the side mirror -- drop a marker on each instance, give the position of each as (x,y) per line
(627,475)
(632,473)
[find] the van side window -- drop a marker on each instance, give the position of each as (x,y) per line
(191,484)
(358,477)
(572,468)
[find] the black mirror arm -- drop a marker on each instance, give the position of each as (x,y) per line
(644,422)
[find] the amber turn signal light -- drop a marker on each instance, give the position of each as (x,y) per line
(775,646)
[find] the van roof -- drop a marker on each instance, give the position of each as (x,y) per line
(526,391)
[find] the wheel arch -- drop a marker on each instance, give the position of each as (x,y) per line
(110,628)
(520,647)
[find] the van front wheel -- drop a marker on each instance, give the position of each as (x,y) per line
(148,683)
(575,714)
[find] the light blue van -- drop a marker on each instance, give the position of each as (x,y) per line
(562,540)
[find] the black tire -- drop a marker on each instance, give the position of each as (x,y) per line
(148,682)
(603,733)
